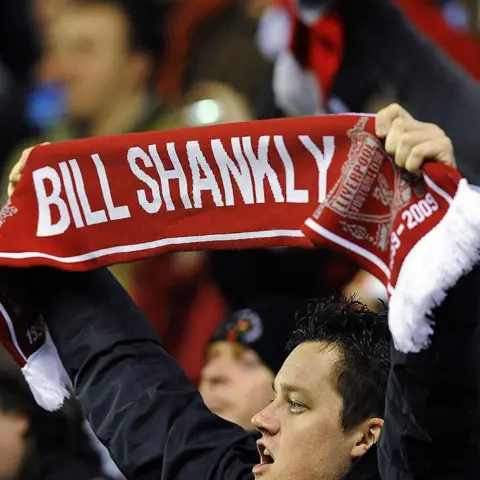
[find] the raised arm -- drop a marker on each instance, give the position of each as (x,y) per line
(135,396)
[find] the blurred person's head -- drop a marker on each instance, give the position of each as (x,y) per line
(35,443)
(26,430)
(15,410)
(329,394)
(103,53)
(243,357)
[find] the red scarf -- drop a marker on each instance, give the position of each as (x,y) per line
(92,203)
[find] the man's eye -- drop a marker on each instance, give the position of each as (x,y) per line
(296,407)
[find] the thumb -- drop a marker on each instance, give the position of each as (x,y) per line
(17,170)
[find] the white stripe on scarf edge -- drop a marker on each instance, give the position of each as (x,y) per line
(188,240)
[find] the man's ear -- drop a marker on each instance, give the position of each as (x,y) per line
(366,435)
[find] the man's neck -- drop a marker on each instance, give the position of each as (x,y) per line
(123,117)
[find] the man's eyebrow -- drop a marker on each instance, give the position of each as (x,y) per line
(290,387)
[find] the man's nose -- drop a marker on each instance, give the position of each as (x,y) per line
(266,421)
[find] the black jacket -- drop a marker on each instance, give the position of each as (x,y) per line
(141,405)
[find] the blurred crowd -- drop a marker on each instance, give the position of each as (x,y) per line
(79,68)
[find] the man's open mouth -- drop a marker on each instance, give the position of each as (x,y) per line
(266,456)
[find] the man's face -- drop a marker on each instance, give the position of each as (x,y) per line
(235,383)
(302,427)
(12,444)
(89,50)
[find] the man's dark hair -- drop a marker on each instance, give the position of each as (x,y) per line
(363,338)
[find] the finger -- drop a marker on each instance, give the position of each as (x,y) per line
(17,170)
(409,139)
(396,130)
(440,150)
(400,127)
(15,178)
(386,116)
(20,165)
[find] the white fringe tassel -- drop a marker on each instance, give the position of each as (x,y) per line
(47,377)
(434,265)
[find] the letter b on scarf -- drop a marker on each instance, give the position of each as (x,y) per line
(48,201)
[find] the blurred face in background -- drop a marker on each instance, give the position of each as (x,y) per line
(13,429)
(90,51)
(235,384)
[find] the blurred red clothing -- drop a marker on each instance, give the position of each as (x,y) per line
(176,293)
